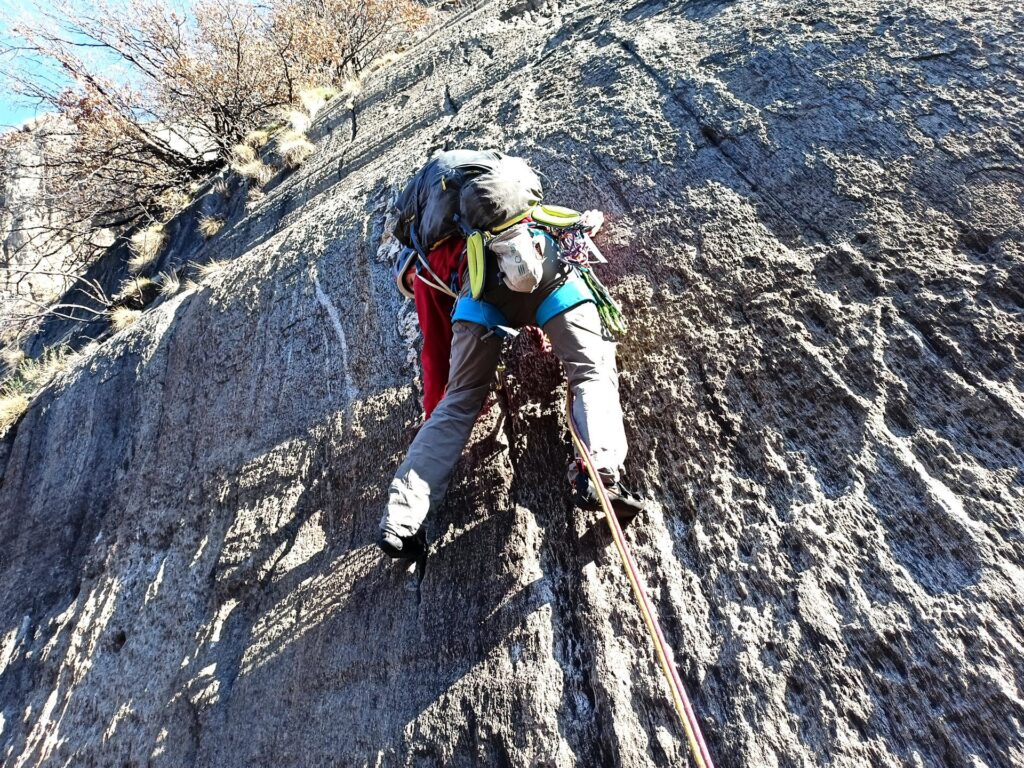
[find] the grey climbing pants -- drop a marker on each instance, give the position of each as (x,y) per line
(579,341)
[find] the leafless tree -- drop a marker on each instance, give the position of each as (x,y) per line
(148,99)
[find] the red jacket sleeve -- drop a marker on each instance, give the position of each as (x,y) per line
(434,310)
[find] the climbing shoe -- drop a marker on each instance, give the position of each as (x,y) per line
(404,547)
(627,505)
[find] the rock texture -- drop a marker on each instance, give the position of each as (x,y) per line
(815,224)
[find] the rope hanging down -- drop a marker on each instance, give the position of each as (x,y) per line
(679,698)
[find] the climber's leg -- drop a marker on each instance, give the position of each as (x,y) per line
(422,480)
(588,354)
(580,341)
(434,310)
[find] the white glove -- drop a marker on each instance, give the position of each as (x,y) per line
(592,221)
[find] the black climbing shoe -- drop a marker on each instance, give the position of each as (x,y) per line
(627,505)
(404,547)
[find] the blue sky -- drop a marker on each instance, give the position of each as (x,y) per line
(11,113)
(15,109)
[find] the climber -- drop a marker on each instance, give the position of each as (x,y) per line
(519,279)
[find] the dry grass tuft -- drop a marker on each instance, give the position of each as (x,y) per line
(314,99)
(257,171)
(32,375)
(352,88)
(12,336)
(12,357)
(210,268)
(243,153)
(256,139)
(221,187)
(296,119)
(210,226)
(294,148)
(173,201)
(37,373)
(122,317)
(12,406)
(133,285)
(383,61)
(170,283)
(145,246)
(254,198)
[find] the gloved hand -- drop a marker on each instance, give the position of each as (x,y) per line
(592,221)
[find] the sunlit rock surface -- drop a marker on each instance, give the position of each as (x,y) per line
(35,263)
(815,227)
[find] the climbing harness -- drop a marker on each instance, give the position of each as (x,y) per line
(569,294)
(576,249)
(550,216)
(680,700)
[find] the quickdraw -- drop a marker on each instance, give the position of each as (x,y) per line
(680,700)
(578,249)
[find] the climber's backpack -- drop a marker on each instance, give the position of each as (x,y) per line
(429,206)
(494,199)
(476,194)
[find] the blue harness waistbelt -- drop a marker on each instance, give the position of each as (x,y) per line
(569,294)
(478,311)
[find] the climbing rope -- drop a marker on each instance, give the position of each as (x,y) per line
(679,698)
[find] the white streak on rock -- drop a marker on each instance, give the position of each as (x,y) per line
(332,313)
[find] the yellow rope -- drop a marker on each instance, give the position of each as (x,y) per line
(679,699)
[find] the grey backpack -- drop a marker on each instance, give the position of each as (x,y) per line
(505,191)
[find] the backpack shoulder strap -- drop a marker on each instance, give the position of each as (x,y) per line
(475,261)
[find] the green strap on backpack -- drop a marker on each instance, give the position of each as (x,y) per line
(555,216)
(475,263)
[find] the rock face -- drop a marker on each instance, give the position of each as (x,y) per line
(37,263)
(815,225)
(30,267)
